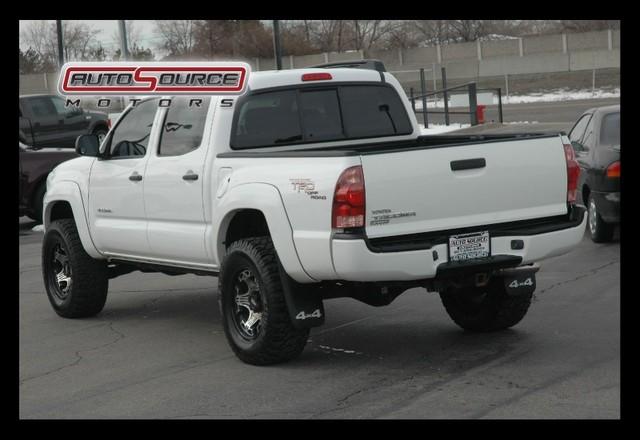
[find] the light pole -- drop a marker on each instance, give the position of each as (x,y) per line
(276,44)
(60,44)
(123,40)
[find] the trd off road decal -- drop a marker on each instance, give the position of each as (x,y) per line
(307,186)
(153,78)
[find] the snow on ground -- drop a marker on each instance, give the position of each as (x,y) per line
(438,129)
(38,228)
(548,96)
(562,95)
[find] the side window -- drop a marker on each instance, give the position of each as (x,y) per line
(610,129)
(578,130)
(59,105)
(268,119)
(42,107)
(183,127)
(131,137)
(587,140)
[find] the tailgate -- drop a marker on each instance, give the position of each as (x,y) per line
(457,186)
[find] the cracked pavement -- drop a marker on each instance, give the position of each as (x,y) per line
(158,351)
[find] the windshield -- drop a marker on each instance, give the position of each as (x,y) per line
(610,132)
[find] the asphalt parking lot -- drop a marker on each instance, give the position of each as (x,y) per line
(158,351)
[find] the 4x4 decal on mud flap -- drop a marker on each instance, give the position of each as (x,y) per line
(316,314)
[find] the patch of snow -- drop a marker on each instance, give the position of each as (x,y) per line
(561,95)
(38,228)
(438,129)
(547,96)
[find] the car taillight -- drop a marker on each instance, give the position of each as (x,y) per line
(613,170)
(349,200)
(109,122)
(573,173)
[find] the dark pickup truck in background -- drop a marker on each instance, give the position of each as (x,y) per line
(46,122)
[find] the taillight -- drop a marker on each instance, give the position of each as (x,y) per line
(316,76)
(349,200)
(573,173)
(613,170)
(109,122)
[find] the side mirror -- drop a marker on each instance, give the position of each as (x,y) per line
(88,145)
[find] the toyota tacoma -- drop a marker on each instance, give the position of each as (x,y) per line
(316,183)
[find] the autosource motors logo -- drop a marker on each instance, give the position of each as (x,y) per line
(153,78)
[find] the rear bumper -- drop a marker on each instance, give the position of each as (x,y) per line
(354,259)
(608,204)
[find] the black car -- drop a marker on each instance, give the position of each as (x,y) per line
(45,121)
(596,140)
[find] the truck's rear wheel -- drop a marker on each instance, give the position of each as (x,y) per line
(252,304)
(484,309)
(76,284)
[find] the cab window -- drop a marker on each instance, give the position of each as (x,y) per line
(130,137)
(183,126)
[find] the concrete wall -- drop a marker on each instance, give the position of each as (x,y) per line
(616,38)
(500,48)
(420,56)
(543,43)
(460,51)
(594,59)
(309,60)
(588,40)
(537,63)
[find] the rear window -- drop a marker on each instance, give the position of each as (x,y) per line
(304,115)
(610,132)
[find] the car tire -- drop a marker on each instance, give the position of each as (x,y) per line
(101,132)
(37,203)
(485,309)
(252,305)
(76,284)
(599,230)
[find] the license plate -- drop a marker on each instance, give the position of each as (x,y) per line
(469,246)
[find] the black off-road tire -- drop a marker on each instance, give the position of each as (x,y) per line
(277,340)
(599,230)
(485,309)
(89,277)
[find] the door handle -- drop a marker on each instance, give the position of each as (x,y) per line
(190,176)
(135,177)
(468,164)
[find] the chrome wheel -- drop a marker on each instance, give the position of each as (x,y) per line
(61,271)
(593,217)
(247,315)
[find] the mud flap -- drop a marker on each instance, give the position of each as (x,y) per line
(304,302)
(520,281)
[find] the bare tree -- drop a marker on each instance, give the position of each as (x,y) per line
(80,42)
(178,36)
(133,34)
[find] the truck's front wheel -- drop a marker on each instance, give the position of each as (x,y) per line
(254,312)
(484,309)
(76,284)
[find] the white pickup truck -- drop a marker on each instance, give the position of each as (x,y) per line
(314,184)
